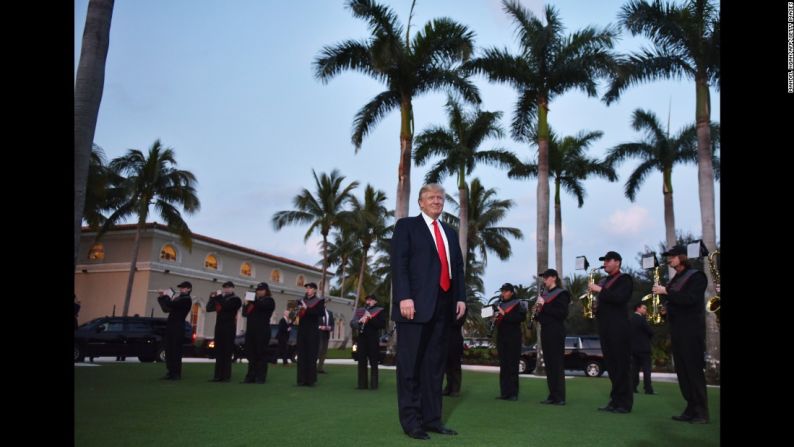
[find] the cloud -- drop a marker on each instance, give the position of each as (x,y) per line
(632,221)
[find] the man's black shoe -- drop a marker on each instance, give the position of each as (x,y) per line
(558,402)
(512,398)
(418,433)
(682,418)
(697,420)
(547,401)
(441,429)
(609,408)
(621,410)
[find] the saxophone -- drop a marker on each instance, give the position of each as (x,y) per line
(588,298)
(713,304)
(654,315)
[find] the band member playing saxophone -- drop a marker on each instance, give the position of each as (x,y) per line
(683,298)
(552,309)
(368,322)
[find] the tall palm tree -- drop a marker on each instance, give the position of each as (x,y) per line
(407,67)
(88,85)
(457,145)
(152,180)
(369,220)
(569,166)
(103,193)
(658,151)
(320,210)
(340,251)
(548,65)
(485,212)
(686,43)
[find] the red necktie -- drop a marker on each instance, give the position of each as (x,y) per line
(442,256)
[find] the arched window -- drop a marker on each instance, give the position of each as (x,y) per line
(211,262)
(97,252)
(275,276)
(300,281)
(245,269)
(168,253)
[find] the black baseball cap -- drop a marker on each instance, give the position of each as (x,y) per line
(228,284)
(677,250)
(371,297)
(550,272)
(262,286)
(611,255)
(311,284)
(507,286)
(185,284)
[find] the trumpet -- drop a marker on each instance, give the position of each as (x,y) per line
(713,304)
(654,315)
(588,298)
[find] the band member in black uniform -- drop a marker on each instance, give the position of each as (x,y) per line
(614,328)
(683,297)
(226,306)
(454,357)
(284,328)
(510,313)
(368,322)
(257,333)
(312,308)
(177,309)
(641,335)
(551,311)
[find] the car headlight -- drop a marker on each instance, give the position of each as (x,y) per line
(355,347)
(211,344)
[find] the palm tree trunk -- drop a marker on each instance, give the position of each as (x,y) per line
(360,288)
(404,172)
(557,228)
(342,284)
(669,214)
(707,219)
(133,266)
(463,216)
(543,188)
(325,264)
(88,86)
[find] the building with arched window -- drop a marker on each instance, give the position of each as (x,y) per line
(103,270)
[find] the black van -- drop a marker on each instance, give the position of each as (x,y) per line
(126,336)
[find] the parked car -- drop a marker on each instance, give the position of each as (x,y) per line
(126,336)
(582,352)
(208,347)
(383,344)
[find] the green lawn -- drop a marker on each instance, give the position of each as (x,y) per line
(126,404)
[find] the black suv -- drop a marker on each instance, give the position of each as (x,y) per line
(125,336)
(582,352)
(208,347)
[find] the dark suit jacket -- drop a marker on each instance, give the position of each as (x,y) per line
(641,334)
(416,268)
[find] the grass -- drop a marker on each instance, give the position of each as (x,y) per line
(126,405)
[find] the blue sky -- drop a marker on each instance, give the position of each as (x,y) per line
(229,86)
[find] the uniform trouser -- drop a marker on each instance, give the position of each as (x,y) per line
(283,351)
(223,356)
(688,355)
(508,368)
(323,349)
(553,343)
(257,359)
(307,359)
(421,358)
(372,359)
(173,355)
(616,345)
(641,361)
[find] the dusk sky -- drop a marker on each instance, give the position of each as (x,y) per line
(229,85)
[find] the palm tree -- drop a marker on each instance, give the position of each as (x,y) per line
(88,85)
(407,67)
(549,64)
(321,210)
(103,193)
(569,166)
(457,145)
(686,43)
(340,251)
(152,180)
(658,151)
(485,211)
(369,222)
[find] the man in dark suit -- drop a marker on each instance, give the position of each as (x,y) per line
(683,298)
(614,328)
(641,335)
(429,293)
